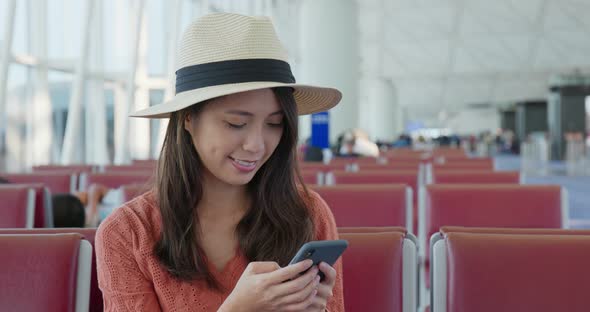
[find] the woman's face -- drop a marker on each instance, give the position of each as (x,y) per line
(235,135)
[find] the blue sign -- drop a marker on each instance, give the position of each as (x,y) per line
(320,130)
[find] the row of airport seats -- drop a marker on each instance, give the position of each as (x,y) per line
(379,270)
(474,269)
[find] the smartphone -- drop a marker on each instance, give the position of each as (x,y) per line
(327,251)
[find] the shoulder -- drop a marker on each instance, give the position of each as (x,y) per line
(321,215)
(135,224)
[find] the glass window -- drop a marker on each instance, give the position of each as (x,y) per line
(20,42)
(157,28)
(60,88)
(65,23)
(15,129)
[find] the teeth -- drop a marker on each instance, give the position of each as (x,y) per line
(245,163)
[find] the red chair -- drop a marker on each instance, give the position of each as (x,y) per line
(511,272)
(145,168)
(468,163)
(17,207)
(475,177)
(390,166)
(115,179)
(96,304)
(490,205)
(45,272)
(65,168)
(379,272)
(131,191)
(371,229)
(43,206)
(372,177)
(57,182)
(369,204)
(321,167)
(312,177)
(408,177)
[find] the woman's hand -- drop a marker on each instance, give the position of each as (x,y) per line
(265,286)
(320,302)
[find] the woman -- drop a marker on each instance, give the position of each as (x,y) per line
(228,211)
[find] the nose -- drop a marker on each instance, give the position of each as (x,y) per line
(254,142)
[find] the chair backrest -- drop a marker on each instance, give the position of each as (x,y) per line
(369,204)
(115,179)
(17,206)
(45,272)
(65,168)
(491,205)
(475,176)
(312,177)
(379,272)
(96,304)
(43,206)
(57,182)
(504,272)
(371,229)
(144,168)
(463,229)
(467,165)
(131,191)
(305,166)
(409,177)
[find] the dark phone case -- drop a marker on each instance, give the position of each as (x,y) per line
(327,251)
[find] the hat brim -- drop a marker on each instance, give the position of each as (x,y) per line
(309,99)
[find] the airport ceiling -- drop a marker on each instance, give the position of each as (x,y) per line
(450,54)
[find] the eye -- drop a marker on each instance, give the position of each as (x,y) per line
(275,125)
(235,126)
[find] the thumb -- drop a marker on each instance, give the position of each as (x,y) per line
(260,267)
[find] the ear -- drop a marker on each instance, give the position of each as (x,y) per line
(188,122)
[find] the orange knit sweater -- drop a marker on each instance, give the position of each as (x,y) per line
(131,278)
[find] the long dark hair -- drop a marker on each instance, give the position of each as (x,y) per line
(277,224)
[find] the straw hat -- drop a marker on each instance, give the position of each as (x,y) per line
(224,53)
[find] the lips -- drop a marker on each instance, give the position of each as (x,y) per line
(244,165)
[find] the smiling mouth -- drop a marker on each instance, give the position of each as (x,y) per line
(244,163)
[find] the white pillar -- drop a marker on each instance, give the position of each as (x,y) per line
(122,148)
(330,56)
(96,122)
(380,116)
(139,128)
(71,148)
(5,58)
(39,118)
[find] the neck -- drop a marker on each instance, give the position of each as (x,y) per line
(221,200)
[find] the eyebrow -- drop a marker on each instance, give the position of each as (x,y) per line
(248,114)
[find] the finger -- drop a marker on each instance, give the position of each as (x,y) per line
(260,267)
(317,303)
(289,272)
(329,274)
(297,284)
(324,292)
(302,300)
